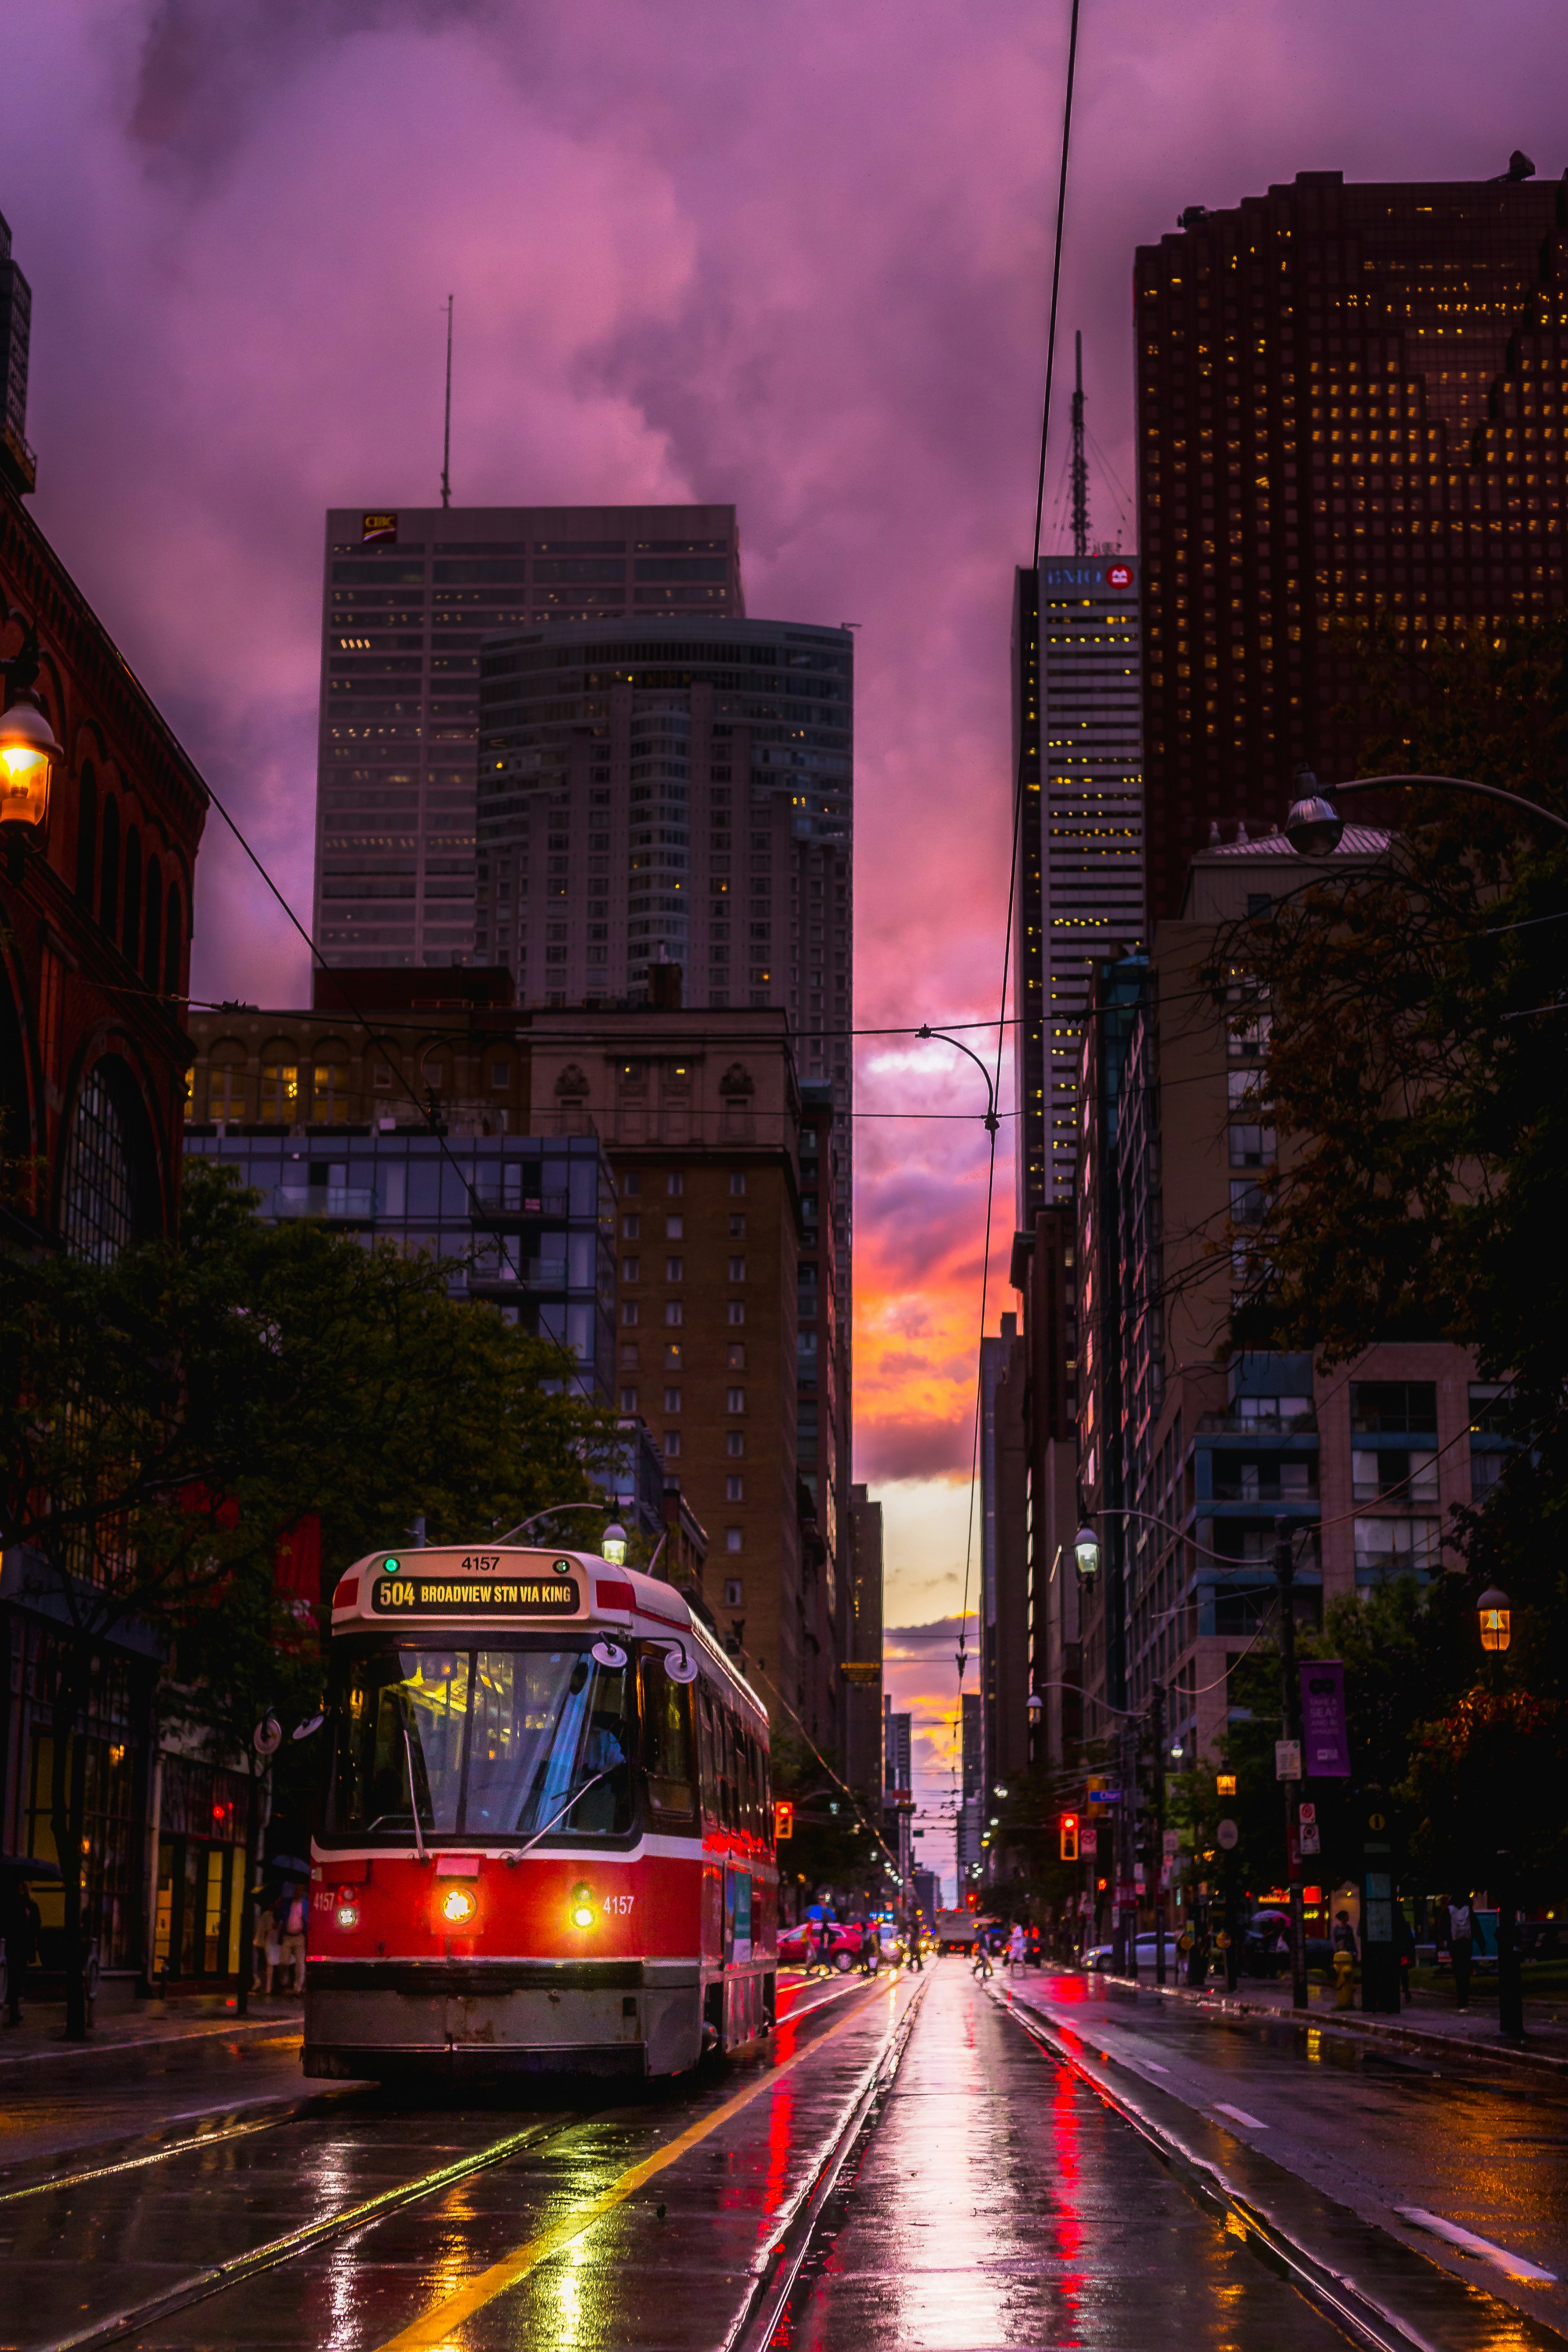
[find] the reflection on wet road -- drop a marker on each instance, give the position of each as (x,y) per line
(990,2196)
(1382,2130)
(999,2202)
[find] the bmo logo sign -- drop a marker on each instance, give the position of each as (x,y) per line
(1119,575)
(1086,575)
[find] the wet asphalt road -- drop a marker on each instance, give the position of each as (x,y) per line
(995,2198)
(1377,2129)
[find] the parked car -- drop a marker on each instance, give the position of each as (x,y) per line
(844,1939)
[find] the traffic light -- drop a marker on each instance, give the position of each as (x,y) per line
(1068,1837)
(783,1818)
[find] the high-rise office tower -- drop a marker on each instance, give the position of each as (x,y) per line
(1351,406)
(1077,720)
(408,595)
(678,793)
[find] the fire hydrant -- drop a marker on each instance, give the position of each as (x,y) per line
(1345,1980)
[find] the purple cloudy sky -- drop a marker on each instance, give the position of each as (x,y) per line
(788,252)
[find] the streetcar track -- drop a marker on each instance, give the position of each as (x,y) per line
(781,2263)
(291,2111)
(219,2277)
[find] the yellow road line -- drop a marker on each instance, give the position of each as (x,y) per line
(433,2332)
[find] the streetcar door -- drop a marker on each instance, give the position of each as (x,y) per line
(737,1917)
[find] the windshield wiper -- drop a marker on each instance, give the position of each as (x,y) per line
(576,1795)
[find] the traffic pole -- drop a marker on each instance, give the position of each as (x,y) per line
(1290,1725)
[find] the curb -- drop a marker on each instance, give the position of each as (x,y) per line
(91,2049)
(1356,2026)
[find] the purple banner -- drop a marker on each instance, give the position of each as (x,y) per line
(1325,1744)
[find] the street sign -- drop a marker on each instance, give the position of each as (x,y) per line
(1306,1811)
(1311,1841)
(1170,1842)
(1227,1835)
(1287,1759)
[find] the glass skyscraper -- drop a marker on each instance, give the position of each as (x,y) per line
(408,595)
(1080,883)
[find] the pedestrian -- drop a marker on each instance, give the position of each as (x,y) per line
(262,1936)
(1344,1937)
(20,1920)
(1461,1947)
(291,1941)
(1015,1946)
(871,1951)
(1404,1950)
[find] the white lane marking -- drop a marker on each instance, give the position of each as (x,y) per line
(1240,2115)
(1514,2264)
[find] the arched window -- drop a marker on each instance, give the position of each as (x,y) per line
(152,926)
(329,1088)
(226,1080)
(173,943)
(108,880)
(130,921)
(87,836)
(100,1208)
(281,1084)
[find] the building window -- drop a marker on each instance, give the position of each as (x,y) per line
(628,1399)
(630,1269)
(1396,1475)
(632,1183)
(100,1183)
(737,1355)
(628,1312)
(675,1229)
(737,1310)
(735,1490)
(675,1269)
(735,1443)
(672,1401)
(672,1443)
(733,1598)
(672,1355)
(329,1097)
(500,1074)
(1387,1548)
(1486,1469)
(734,1399)
(737,1229)
(736,1183)
(673,1311)
(731,1539)
(1393,1408)
(631,1227)
(225,1090)
(628,1355)
(280,1092)
(383,1077)
(738,1270)
(675,1183)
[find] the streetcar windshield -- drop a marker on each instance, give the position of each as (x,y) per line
(492,1743)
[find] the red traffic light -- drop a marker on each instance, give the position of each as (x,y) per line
(783,1818)
(1068,1837)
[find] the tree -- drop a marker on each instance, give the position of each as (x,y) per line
(172,1414)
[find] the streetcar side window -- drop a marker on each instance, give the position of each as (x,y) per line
(747,1783)
(667,1739)
(726,1766)
(709,1766)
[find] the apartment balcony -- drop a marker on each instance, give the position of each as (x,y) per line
(349,1204)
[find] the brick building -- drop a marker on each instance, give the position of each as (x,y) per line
(1350,404)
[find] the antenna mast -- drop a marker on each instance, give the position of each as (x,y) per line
(446,444)
(1079,462)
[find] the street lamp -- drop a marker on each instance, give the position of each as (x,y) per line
(1086,1550)
(1313,826)
(1495,1612)
(28,755)
(1036,1709)
(613,1543)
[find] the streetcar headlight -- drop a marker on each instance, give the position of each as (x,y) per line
(583,1914)
(458,1906)
(348,1914)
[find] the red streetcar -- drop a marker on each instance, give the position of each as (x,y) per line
(546,1837)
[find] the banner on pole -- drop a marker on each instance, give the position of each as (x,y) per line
(1324,1739)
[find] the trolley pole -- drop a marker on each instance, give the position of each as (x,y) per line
(1290,1726)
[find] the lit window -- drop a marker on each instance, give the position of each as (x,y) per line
(731,1539)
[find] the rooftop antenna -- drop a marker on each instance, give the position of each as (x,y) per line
(1079,462)
(446,444)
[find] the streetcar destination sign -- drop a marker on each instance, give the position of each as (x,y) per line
(407,1595)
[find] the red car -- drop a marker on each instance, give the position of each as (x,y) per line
(845,1939)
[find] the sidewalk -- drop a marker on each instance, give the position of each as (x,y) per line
(150,2023)
(1433,2022)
